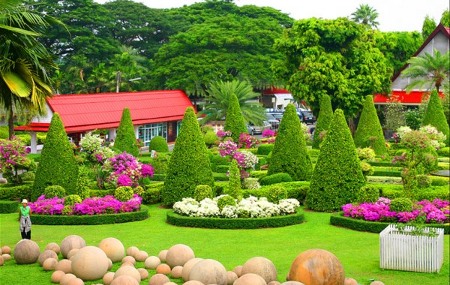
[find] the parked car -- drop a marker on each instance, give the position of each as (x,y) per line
(306,116)
(257,130)
(273,121)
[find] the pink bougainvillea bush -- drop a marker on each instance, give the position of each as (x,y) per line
(437,211)
(89,206)
(126,170)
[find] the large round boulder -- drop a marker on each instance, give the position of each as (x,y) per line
(90,263)
(132,251)
(163,269)
(152,262)
(49,264)
(315,267)
(57,276)
(108,278)
(26,252)
(179,254)
(162,255)
(188,266)
(262,267)
(66,278)
(53,246)
(113,248)
(250,279)
(64,265)
(158,279)
(209,271)
(46,254)
(71,242)
(129,271)
(177,271)
(124,280)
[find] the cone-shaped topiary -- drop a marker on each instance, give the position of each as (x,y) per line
(369,132)
(434,115)
(234,183)
(57,165)
(323,120)
(189,165)
(125,137)
(234,121)
(289,155)
(337,176)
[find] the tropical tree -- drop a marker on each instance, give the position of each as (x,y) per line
(366,15)
(24,62)
(428,26)
(428,70)
(218,98)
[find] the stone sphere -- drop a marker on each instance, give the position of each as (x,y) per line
(209,271)
(49,264)
(231,277)
(90,263)
(317,266)
(53,246)
(274,283)
(179,254)
(350,281)
(163,269)
(66,278)
(177,271)
(250,279)
(170,283)
(132,251)
(75,281)
(292,283)
(113,249)
(26,252)
(129,271)
(158,279)
(57,275)
(46,254)
(188,266)
(376,283)
(72,252)
(162,255)
(110,264)
(193,282)
(124,280)
(64,265)
(129,259)
(2,261)
(141,255)
(6,256)
(143,272)
(71,242)
(108,278)
(262,267)
(6,249)
(238,270)
(152,262)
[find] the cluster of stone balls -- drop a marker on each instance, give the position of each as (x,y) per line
(87,263)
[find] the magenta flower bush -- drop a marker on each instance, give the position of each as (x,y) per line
(222,134)
(13,156)
(89,206)
(267,133)
(437,211)
(227,148)
(247,141)
(125,170)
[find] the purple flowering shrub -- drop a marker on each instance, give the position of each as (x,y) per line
(247,141)
(437,211)
(13,156)
(267,133)
(89,206)
(223,134)
(126,170)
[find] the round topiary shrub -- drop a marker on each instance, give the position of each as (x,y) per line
(26,252)
(401,205)
(113,249)
(203,191)
(90,263)
(158,144)
(368,194)
(54,191)
(275,193)
(225,200)
(71,200)
(123,193)
(211,138)
(275,178)
(179,254)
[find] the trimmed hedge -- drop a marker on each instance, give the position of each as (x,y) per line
(264,149)
(386,173)
(16,193)
(275,178)
(445,151)
(152,194)
(296,189)
(140,215)
(373,227)
(239,223)
(8,207)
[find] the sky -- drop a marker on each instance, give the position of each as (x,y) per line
(393,15)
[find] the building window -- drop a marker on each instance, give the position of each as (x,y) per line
(147,132)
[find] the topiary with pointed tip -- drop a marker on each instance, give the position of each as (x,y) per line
(57,165)
(337,176)
(234,121)
(189,164)
(289,154)
(434,115)
(126,138)
(369,132)
(323,120)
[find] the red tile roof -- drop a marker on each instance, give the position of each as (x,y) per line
(412,98)
(85,112)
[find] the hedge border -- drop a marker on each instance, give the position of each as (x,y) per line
(239,223)
(140,215)
(373,227)
(7,207)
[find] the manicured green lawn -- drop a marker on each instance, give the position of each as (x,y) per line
(357,251)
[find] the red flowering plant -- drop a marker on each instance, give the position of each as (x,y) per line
(125,170)
(13,157)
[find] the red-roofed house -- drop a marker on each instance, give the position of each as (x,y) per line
(154,113)
(439,40)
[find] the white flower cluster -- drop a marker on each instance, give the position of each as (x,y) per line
(91,142)
(437,138)
(250,159)
(251,207)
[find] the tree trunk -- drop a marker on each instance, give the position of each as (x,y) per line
(11,122)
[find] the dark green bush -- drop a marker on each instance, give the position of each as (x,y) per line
(392,173)
(289,154)
(189,165)
(423,181)
(220,176)
(275,178)
(337,175)
(258,173)
(222,168)
(16,193)
(323,120)
(71,200)
(296,190)
(57,165)
(160,163)
(54,191)
(152,193)
(368,193)
(226,200)
(157,177)
(276,193)
(101,193)
(434,115)
(264,149)
(234,121)
(433,192)
(211,138)
(9,207)
(203,191)
(220,187)
(369,132)
(158,144)
(401,205)
(125,140)
(28,176)
(123,193)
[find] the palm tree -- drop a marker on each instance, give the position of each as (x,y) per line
(218,97)
(24,61)
(366,15)
(428,70)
